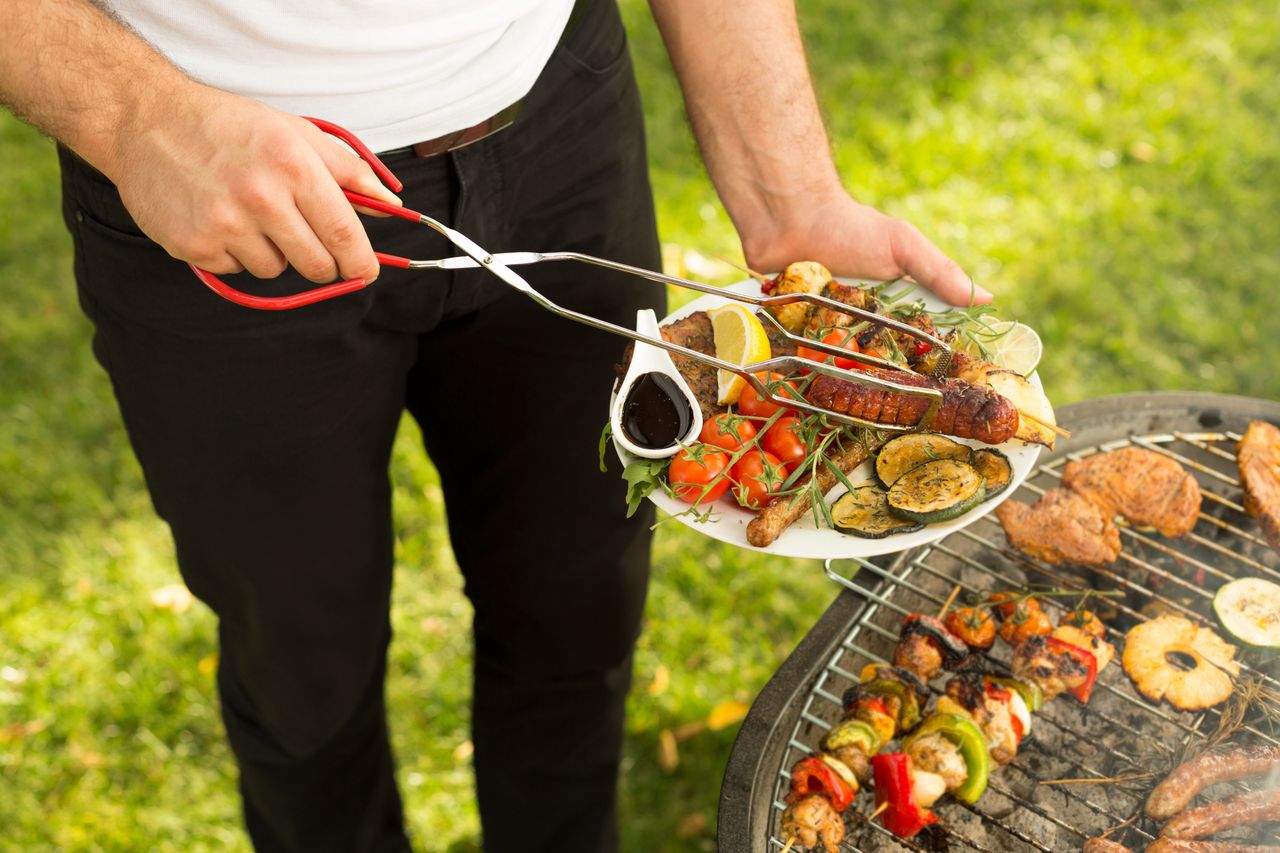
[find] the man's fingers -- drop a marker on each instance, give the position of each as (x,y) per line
(922,260)
(354,174)
(259,256)
(332,219)
(303,249)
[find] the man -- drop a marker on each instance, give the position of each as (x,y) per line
(265,436)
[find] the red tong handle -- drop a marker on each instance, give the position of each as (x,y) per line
(338,288)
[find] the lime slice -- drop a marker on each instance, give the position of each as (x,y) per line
(1249,609)
(1014,346)
(741,340)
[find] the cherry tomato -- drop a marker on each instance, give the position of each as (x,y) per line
(727,431)
(837,338)
(783,442)
(756,476)
(691,470)
(751,404)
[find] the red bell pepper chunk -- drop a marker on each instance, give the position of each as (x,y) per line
(815,776)
(901,816)
(1085,657)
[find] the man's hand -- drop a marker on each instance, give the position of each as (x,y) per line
(217,180)
(229,184)
(747,90)
(856,240)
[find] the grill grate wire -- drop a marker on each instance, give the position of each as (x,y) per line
(1119,732)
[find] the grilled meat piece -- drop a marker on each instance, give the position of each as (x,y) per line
(1104,845)
(967,411)
(1148,488)
(824,319)
(1209,768)
(800,277)
(1181,845)
(935,754)
(1056,672)
(856,760)
(1061,527)
(811,821)
(1258,456)
(783,511)
(969,692)
(926,646)
(1241,810)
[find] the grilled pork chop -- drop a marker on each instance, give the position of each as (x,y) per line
(1148,488)
(1258,455)
(1061,527)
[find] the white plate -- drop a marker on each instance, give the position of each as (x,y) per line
(804,539)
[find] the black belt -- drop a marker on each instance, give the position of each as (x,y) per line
(496,122)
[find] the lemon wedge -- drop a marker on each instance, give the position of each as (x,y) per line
(740,339)
(1014,346)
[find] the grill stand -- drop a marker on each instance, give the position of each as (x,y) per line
(767,741)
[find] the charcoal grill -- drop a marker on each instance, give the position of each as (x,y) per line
(1119,734)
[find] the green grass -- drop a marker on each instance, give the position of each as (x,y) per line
(1110,169)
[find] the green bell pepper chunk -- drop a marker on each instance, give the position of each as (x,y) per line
(1028,690)
(909,705)
(854,733)
(966,735)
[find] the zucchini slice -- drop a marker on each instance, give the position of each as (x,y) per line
(865,512)
(937,491)
(901,454)
(995,468)
(1249,608)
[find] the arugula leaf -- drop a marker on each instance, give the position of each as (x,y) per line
(642,476)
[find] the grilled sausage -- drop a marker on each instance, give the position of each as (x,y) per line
(1104,845)
(967,410)
(1178,845)
(1222,765)
(781,512)
(1240,810)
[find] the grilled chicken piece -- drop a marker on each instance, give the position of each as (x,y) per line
(856,760)
(1054,671)
(783,511)
(1061,527)
(967,410)
(1258,455)
(800,277)
(1148,488)
(968,693)
(695,333)
(811,821)
(935,754)
(824,319)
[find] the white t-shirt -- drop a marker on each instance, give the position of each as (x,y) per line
(394,72)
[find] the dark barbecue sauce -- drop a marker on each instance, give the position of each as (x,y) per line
(655,413)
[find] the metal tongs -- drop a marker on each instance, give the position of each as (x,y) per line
(500,266)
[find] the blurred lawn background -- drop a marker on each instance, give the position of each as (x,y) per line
(1110,169)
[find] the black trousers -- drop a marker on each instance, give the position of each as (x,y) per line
(265,437)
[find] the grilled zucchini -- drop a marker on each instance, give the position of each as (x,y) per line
(995,468)
(865,512)
(901,454)
(937,491)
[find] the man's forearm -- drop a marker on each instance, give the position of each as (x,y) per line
(750,100)
(79,75)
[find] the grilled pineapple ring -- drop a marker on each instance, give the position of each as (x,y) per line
(1146,660)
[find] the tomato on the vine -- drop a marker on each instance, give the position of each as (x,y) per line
(757,476)
(843,338)
(783,441)
(752,404)
(727,431)
(692,469)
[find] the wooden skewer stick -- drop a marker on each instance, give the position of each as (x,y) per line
(1053,428)
(791,842)
(946,605)
(875,814)
(760,277)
